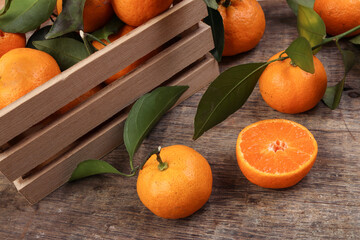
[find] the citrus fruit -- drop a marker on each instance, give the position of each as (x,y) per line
(22,70)
(339,16)
(137,12)
(123,31)
(181,188)
(9,41)
(79,100)
(244,25)
(96,13)
(275,153)
(288,89)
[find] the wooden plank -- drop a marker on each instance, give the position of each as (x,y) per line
(107,138)
(53,138)
(57,92)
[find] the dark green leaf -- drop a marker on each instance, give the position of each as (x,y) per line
(211,4)
(69,20)
(26,15)
(333,94)
(356,40)
(6,7)
(215,21)
(66,51)
(301,54)
(293,4)
(112,27)
(38,36)
(41,33)
(311,26)
(92,167)
(226,95)
(146,112)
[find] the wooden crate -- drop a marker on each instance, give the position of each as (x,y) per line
(39,156)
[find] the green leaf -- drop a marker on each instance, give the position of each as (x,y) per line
(211,4)
(356,40)
(69,20)
(92,167)
(146,112)
(38,36)
(112,27)
(66,51)
(215,21)
(226,95)
(26,15)
(6,7)
(301,54)
(311,26)
(333,94)
(293,4)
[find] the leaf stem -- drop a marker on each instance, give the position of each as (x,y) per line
(131,164)
(337,37)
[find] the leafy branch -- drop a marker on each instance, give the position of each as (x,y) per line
(143,116)
(231,89)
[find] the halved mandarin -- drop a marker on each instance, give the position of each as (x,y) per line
(275,153)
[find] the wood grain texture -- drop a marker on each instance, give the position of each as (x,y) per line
(48,98)
(324,205)
(45,143)
(100,142)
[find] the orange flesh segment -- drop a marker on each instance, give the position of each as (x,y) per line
(276,147)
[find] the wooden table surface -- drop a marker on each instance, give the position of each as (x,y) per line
(325,204)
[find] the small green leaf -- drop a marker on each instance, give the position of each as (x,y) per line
(226,95)
(112,27)
(293,4)
(69,20)
(333,94)
(26,15)
(66,51)
(356,40)
(92,167)
(146,112)
(211,4)
(301,54)
(6,7)
(215,21)
(311,26)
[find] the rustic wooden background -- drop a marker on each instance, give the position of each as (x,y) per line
(325,204)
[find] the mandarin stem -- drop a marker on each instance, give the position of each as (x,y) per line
(227,3)
(162,165)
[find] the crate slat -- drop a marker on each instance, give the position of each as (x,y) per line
(42,145)
(46,99)
(105,139)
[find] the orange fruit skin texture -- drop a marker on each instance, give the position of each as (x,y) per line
(137,12)
(125,30)
(9,41)
(180,190)
(289,89)
(244,25)
(22,70)
(339,16)
(267,168)
(79,100)
(96,13)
